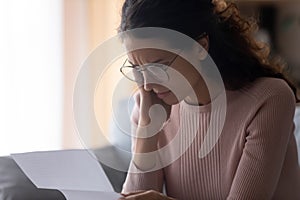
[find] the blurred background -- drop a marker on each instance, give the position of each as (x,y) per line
(43,44)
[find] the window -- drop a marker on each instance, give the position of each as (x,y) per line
(30,75)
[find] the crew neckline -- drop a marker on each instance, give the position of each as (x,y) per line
(195,108)
(206,108)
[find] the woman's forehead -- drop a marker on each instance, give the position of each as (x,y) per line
(150,52)
(146,50)
(133,43)
(149,55)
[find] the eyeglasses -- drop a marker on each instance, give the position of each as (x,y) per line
(157,70)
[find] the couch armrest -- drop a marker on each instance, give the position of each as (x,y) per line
(14,185)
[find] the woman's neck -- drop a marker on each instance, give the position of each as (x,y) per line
(201,96)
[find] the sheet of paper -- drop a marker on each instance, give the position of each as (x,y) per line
(90,195)
(64,170)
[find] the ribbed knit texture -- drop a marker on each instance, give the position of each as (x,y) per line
(255,156)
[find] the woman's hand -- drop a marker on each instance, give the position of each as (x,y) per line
(147,99)
(145,195)
(151,121)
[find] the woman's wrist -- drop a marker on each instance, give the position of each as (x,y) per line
(145,145)
(144,152)
(144,121)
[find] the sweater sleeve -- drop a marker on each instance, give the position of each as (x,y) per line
(266,143)
(137,179)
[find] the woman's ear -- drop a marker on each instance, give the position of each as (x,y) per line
(203,52)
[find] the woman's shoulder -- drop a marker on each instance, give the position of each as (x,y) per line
(262,91)
(267,87)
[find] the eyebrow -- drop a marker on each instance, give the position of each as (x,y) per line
(156,61)
(131,63)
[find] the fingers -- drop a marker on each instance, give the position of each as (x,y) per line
(145,195)
(138,77)
(147,101)
(133,193)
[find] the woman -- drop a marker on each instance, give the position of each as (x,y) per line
(255,156)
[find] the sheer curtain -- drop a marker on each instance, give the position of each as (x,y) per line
(31,75)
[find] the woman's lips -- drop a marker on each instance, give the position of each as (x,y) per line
(162,95)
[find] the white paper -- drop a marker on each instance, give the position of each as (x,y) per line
(74,172)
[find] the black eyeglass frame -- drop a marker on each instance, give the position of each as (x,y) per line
(162,66)
(145,66)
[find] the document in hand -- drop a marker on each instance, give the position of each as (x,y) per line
(76,173)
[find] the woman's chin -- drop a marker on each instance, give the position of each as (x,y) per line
(171,100)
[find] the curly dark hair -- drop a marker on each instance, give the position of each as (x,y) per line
(239,57)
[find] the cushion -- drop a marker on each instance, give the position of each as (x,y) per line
(115,157)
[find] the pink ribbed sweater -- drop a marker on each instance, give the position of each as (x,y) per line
(255,156)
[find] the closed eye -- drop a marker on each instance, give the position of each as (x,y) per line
(159,62)
(133,65)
